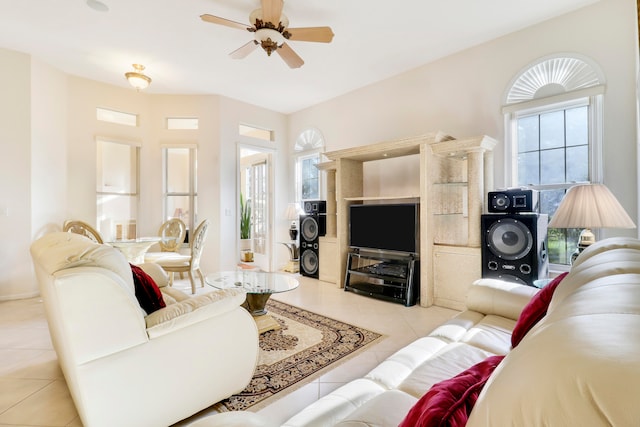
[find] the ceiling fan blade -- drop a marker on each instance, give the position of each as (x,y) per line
(222,21)
(311,34)
(244,50)
(271,11)
(289,56)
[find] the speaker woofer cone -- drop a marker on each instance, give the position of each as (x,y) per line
(309,228)
(309,262)
(509,239)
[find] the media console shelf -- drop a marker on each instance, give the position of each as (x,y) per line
(384,275)
(454,175)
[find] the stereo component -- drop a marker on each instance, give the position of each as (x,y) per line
(514,200)
(315,207)
(514,247)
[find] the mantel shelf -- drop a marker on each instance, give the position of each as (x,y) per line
(375,198)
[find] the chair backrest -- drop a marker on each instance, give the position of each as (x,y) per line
(172,234)
(197,243)
(82,228)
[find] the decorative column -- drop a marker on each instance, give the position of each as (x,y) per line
(475,192)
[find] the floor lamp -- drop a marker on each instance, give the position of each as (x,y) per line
(589,206)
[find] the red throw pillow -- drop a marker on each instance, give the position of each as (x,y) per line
(449,402)
(147,292)
(534,311)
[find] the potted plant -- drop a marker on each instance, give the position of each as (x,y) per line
(246,252)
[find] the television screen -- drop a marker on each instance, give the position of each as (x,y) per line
(392,227)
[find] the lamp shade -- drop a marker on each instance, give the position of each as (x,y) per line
(590,206)
(293,212)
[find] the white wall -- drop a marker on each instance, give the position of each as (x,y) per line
(48,151)
(463,95)
(48,129)
(15,167)
(232,113)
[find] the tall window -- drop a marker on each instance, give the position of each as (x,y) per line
(309,145)
(117,189)
(180,186)
(554,116)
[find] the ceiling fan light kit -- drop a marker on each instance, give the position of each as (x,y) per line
(272,37)
(137,79)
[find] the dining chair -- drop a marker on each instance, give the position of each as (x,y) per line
(82,228)
(187,263)
(172,234)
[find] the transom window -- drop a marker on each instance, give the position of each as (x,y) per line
(554,116)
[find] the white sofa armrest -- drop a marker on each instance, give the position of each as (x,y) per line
(492,296)
(88,322)
(192,310)
(157,273)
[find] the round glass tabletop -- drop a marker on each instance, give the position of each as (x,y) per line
(254,282)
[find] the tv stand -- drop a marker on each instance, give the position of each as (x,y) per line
(388,276)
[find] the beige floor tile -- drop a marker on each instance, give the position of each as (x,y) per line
(15,390)
(50,406)
(34,364)
(282,409)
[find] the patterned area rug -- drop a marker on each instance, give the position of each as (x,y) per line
(306,344)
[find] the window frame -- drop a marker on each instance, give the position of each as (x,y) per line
(317,153)
(192,193)
(309,144)
(593,98)
(112,234)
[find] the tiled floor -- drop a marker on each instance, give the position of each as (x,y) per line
(33,391)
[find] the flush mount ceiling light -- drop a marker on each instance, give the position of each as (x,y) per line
(98,6)
(137,79)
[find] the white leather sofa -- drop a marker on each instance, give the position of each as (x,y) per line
(579,366)
(124,367)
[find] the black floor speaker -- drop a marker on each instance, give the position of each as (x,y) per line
(311,228)
(514,247)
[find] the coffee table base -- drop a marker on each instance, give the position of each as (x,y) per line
(255,304)
(266,323)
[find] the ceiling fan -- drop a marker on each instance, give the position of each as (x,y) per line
(271,31)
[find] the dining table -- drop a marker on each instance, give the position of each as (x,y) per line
(134,249)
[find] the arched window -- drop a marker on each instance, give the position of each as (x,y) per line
(553,119)
(308,147)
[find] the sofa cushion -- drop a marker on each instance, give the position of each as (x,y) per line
(156,272)
(59,251)
(147,292)
(450,361)
(498,297)
(535,310)
(450,402)
(386,409)
(192,310)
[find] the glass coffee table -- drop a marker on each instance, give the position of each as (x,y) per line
(259,286)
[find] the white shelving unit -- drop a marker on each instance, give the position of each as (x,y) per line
(454,176)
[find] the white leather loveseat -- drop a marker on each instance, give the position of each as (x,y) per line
(578,366)
(124,367)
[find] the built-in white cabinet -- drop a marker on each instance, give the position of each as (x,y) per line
(454,177)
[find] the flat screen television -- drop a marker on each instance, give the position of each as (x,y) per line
(390,227)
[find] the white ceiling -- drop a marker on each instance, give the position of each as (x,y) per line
(374,39)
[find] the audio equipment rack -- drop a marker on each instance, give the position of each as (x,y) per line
(384,275)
